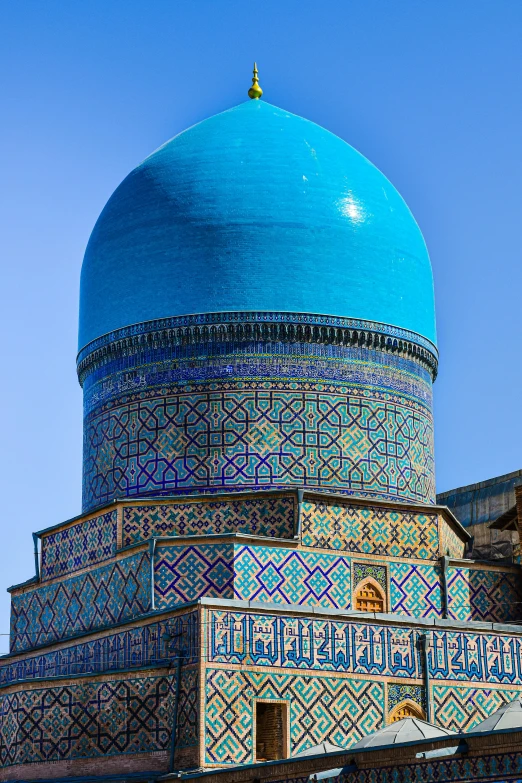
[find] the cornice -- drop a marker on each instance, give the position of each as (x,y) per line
(223,328)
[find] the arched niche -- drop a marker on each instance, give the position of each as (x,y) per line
(406,709)
(369,596)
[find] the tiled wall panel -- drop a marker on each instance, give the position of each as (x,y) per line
(360,648)
(85,544)
(416,589)
(484,594)
(370,529)
(281,575)
(95,599)
(322,709)
(289,642)
(262,516)
(185,573)
(89,718)
(460,708)
(126,649)
(272,415)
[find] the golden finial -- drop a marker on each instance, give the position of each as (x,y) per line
(255,92)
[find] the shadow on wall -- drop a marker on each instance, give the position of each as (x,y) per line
(487,595)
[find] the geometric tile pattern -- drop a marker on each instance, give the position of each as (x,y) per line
(487,595)
(269,430)
(79,546)
(399,692)
(416,589)
(362,571)
(289,642)
(322,708)
(185,573)
(278,575)
(373,530)
(500,767)
(127,649)
(451,542)
(262,516)
(93,600)
(255,573)
(187,734)
(459,708)
(86,719)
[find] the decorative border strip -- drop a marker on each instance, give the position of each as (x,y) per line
(133,648)
(264,326)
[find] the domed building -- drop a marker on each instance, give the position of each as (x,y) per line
(260,570)
(257,311)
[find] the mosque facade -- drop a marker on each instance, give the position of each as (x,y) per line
(261,564)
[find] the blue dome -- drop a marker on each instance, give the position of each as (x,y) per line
(256,209)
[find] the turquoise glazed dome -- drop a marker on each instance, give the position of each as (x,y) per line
(257,313)
(256,209)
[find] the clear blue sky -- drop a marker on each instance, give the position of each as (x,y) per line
(428,90)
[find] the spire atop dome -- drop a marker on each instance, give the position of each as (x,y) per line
(255,92)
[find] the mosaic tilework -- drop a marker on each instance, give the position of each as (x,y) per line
(500,767)
(95,599)
(322,709)
(86,719)
(79,546)
(460,708)
(187,734)
(362,571)
(351,647)
(264,359)
(263,516)
(399,692)
(288,642)
(277,575)
(185,573)
(271,574)
(250,433)
(135,647)
(189,330)
(475,657)
(451,542)
(369,529)
(480,594)
(416,589)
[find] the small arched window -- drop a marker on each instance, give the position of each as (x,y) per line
(369,597)
(406,709)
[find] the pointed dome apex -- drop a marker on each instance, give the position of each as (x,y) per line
(255,92)
(256,209)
